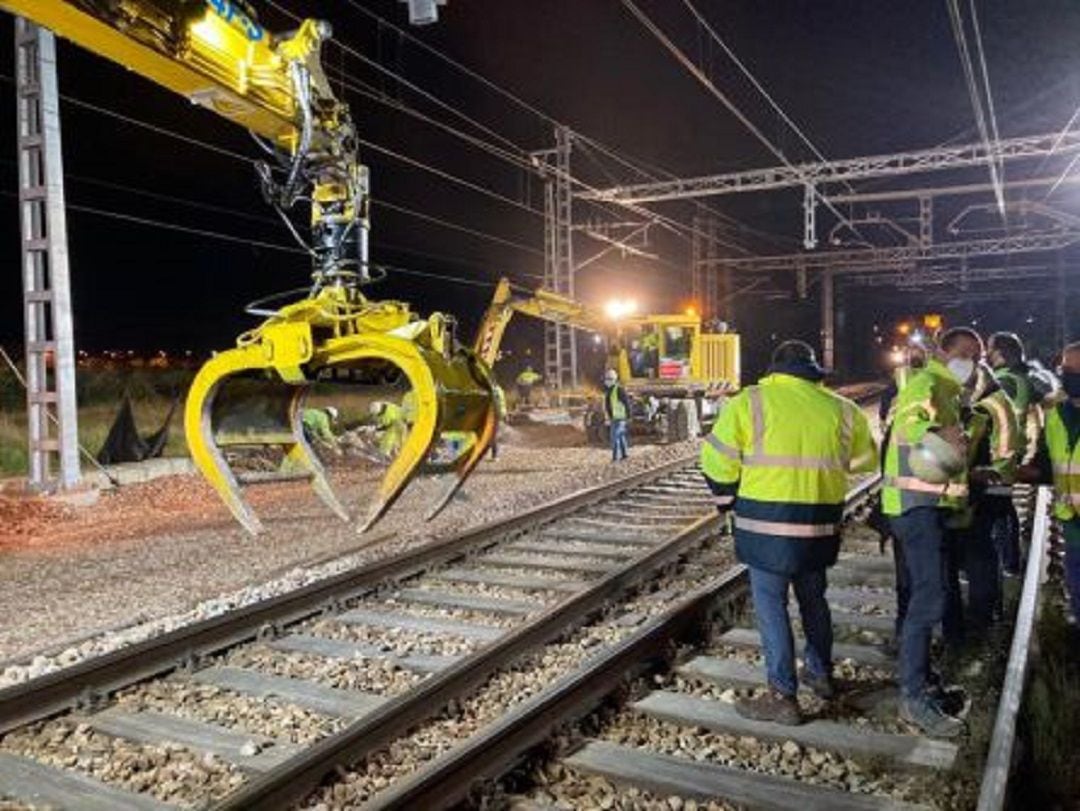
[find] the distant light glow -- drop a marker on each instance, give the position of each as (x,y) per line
(620,308)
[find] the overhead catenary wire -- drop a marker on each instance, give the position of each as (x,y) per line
(959,35)
(709,85)
(756,84)
(475,75)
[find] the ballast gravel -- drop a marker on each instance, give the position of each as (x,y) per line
(86,594)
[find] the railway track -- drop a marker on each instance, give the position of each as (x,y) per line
(651,725)
(253,708)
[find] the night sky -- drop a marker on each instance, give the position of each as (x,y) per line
(859,77)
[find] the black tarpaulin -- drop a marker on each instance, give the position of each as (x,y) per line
(123,444)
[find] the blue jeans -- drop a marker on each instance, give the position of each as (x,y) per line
(618,440)
(921,533)
(770,593)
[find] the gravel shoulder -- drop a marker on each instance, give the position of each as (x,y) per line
(151,557)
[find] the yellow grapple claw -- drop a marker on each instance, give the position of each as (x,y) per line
(253,395)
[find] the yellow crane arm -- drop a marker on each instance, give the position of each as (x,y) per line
(542,304)
(213,53)
(216,54)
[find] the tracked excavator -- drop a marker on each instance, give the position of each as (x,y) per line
(217,54)
(677,372)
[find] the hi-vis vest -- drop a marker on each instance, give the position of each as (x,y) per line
(782,452)
(931,399)
(618,410)
(1066,463)
(1006,442)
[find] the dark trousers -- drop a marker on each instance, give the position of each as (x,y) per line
(1005,531)
(920,534)
(972,550)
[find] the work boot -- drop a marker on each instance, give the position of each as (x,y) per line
(824,687)
(927,716)
(770,706)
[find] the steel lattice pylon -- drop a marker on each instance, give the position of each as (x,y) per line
(50,350)
(560,340)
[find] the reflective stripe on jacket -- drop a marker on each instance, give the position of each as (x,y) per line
(1066,465)
(782,451)
(929,401)
(1006,443)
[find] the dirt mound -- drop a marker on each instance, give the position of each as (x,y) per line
(542,435)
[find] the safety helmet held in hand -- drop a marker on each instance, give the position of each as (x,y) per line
(934,460)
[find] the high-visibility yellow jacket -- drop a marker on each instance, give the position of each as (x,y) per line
(392,429)
(1065,459)
(929,401)
(1029,414)
(500,401)
(317,425)
(528,377)
(1006,442)
(781,453)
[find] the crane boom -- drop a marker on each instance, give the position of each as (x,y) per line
(215,53)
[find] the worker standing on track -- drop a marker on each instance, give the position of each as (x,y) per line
(994,449)
(1006,355)
(617,412)
(318,428)
(525,383)
(499,396)
(390,425)
(780,454)
(925,481)
(1057,459)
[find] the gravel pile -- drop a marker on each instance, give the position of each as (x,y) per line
(140,586)
(168,772)
(395,640)
(487,590)
(564,789)
(379,676)
(267,716)
(449,613)
(788,759)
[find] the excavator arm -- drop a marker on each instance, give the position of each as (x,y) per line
(217,54)
(541,304)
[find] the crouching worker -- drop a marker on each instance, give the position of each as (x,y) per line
(318,428)
(779,455)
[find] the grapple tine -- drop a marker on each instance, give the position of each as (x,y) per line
(417,443)
(469,462)
(198,427)
(301,456)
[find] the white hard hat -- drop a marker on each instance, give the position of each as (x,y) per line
(934,460)
(611,376)
(333,412)
(376,408)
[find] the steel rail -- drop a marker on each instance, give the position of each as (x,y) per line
(85,683)
(298,776)
(449,779)
(998,767)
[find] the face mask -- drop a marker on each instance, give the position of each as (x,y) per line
(961,368)
(1070,381)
